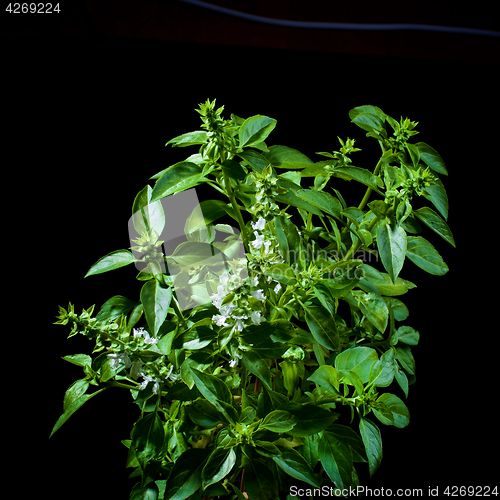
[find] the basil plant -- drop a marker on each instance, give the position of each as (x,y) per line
(261,348)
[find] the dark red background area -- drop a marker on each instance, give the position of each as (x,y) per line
(90,104)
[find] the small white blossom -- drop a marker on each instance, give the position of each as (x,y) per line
(255,317)
(140,332)
(239,324)
(277,288)
(220,319)
(224,278)
(259,225)
(258,294)
(216,298)
(233,362)
(122,357)
(267,244)
(227,309)
(145,382)
(147,379)
(259,240)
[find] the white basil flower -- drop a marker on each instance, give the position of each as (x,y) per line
(259,225)
(259,240)
(224,278)
(138,331)
(258,294)
(239,324)
(216,298)
(277,288)
(148,339)
(220,319)
(267,244)
(156,386)
(227,309)
(122,357)
(255,317)
(145,382)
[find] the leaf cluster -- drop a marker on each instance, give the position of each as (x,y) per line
(284,362)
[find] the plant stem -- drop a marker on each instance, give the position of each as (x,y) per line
(237,211)
(369,189)
(179,313)
(124,386)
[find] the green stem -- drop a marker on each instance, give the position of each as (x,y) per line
(369,189)
(237,211)
(124,386)
(178,312)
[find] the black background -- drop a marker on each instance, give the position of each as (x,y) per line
(87,121)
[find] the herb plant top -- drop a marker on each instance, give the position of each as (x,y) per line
(262,353)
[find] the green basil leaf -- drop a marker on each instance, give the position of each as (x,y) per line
(431,158)
(233,169)
(322,326)
(311,419)
(74,406)
(278,421)
(382,372)
(373,306)
(283,273)
(436,194)
(255,130)
(369,118)
(177,178)
(383,282)
(219,465)
(372,440)
(405,358)
(400,413)
(336,458)
(114,260)
(326,376)
(432,220)
(391,243)
(407,335)
(185,478)
(294,464)
(347,435)
(189,139)
(425,256)
(75,391)
(149,492)
(147,438)
(211,387)
(147,216)
(257,366)
(115,307)
(260,483)
(358,174)
(357,359)
(204,413)
(322,200)
(285,157)
(291,198)
(155,299)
